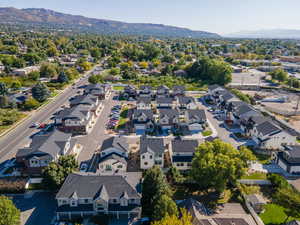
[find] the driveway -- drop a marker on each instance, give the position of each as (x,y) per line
(36,208)
(93,141)
(224,134)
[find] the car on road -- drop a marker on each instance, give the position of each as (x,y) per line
(83,167)
(42,126)
(34,125)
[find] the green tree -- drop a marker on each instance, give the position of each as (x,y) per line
(31,104)
(114,71)
(154,186)
(174,176)
(96,53)
(62,77)
(34,75)
(185,219)
(40,92)
(32,58)
(164,206)
(93,79)
(279,74)
(217,164)
(9,214)
(3,89)
(277,181)
(56,172)
(16,84)
(4,101)
(48,70)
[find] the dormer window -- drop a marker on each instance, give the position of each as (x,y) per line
(123,202)
(73,203)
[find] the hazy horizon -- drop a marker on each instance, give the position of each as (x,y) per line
(206,15)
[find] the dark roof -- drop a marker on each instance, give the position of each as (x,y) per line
(227,96)
(193,206)
(292,153)
(113,156)
(138,112)
(164,100)
(171,113)
(163,87)
(116,142)
(244,108)
(198,114)
(48,144)
(179,145)
(179,158)
(154,144)
(267,128)
(83,99)
(78,208)
(179,88)
(92,186)
(77,113)
(146,100)
(183,100)
(97,86)
(145,87)
(214,86)
(257,119)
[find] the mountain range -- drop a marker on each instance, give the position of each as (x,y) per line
(44,18)
(271,33)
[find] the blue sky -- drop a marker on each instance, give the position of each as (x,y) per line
(221,16)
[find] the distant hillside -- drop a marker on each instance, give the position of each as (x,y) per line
(43,17)
(274,33)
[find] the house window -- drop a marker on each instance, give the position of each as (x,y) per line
(86,201)
(73,203)
(114,200)
(108,167)
(120,166)
(145,163)
(143,157)
(150,156)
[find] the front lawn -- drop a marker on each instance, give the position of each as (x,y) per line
(263,159)
(255,176)
(123,118)
(118,88)
(206,133)
(274,214)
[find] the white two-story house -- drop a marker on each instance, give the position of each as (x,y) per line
(152,152)
(143,103)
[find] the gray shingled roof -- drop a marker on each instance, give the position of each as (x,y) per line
(116,142)
(243,109)
(155,144)
(213,87)
(138,112)
(164,100)
(267,128)
(184,145)
(77,113)
(49,144)
(183,100)
(171,113)
(92,186)
(179,88)
(83,99)
(113,156)
(146,100)
(198,114)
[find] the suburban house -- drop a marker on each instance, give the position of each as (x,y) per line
(145,91)
(185,102)
(195,119)
(162,91)
(102,91)
(129,92)
(225,214)
(94,104)
(152,152)
(26,70)
(143,121)
(214,91)
(114,145)
(182,152)
(84,195)
(242,112)
(168,119)
(44,149)
(178,90)
(112,164)
(143,103)
(288,159)
(164,102)
(269,136)
(76,120)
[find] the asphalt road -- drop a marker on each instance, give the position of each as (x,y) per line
(20,136)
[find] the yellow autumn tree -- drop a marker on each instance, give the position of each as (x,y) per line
(185,219)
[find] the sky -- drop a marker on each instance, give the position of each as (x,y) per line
(220,16)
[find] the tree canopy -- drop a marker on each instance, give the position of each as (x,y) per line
(217,164)
(40,92)
(9,214)
(184,219)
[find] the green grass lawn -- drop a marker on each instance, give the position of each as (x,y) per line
(263,159)
(118,88)
(123,118)
(274,214)
(255,176)
(206,133)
